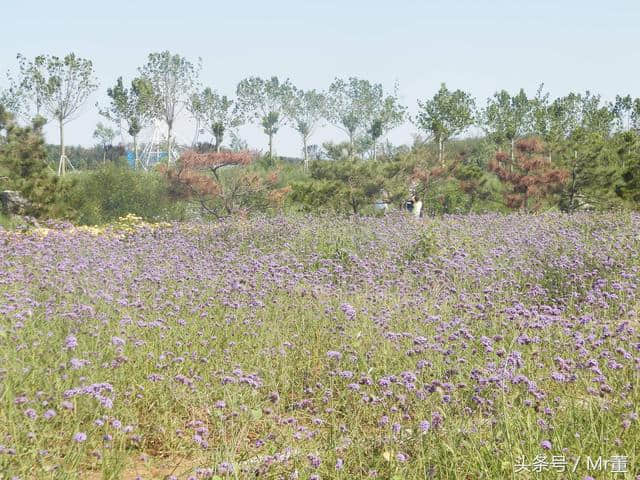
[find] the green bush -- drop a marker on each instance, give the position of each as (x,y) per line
(114,191)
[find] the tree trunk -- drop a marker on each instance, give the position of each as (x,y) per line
(304,154)
(351,145)
(135,152)
(169,143)
(216,147)
(374,150)
(270,148)
(104,154)
(572,192)
(513,145)
(62,166)
(440,156)
(195,137)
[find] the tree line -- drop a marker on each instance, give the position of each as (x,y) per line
(535,152)
(53,88)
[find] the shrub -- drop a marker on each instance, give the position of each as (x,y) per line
(114,191)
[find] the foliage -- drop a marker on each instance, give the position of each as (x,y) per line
(628,188)
(353,105)
(114,191)
(344,186)
(104,135)
(446,115)
(306,109)
(530,177)
(216,113)
(200,177)
(266,101)
(507,118)
(23,168)
(133,106)
(173,79)
(59,87)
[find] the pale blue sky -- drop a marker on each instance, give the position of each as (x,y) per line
(476,45)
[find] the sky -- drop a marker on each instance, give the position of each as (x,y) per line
(480,46)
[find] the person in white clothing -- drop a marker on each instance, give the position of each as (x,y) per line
(417,208)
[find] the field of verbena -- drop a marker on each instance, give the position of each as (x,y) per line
(461,347)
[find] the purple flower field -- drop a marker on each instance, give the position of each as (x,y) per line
(317,347)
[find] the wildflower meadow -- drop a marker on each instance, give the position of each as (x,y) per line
(464,347)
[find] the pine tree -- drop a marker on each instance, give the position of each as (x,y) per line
(23,167)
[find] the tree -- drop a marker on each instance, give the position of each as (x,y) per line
(24,97)
(104,136)
(266,101)
(13,100)
(593,115)
(375,132)
(629,186)
(554,121)
(216,113)
(446,115)
(355,104)
(627,112)
(199,176)
(133,106)
(530,177)
(59,87)
(173,79)
(23,166)
(506,118)
(344,185)
(306,110)
(387,115)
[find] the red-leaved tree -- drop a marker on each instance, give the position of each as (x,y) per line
(530,177)
(199,177)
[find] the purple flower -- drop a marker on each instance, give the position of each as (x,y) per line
(80,437)
(71,342)
(348,310)
(339,464)
(425,426)
(333,355)
(49,414)
(274,397)
(314,460)
(225,468)
(31,413)
(546,444)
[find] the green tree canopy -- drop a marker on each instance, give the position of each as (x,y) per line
(446,115)
(216,113)
(266,101)
(132,106)
(59,87)
(173,79)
